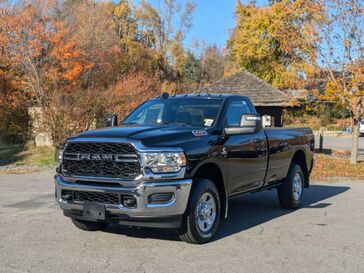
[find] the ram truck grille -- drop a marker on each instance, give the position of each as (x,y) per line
(111,160)
(97,197)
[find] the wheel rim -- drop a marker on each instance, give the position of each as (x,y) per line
(297,186)
(206,212)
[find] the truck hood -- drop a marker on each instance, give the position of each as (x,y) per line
(148,135)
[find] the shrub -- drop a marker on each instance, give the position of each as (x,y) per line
(13,123)
(131,91)
(63,115)
(14,117)
(330,116)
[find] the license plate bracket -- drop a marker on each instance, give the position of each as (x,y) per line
(94,211)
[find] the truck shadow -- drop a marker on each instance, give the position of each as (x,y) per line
(245,212)
(251,210)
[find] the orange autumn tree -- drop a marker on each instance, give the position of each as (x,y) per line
(65,65)
(41,49)
(271,41)
(46,59)
(13,111)
(131,91)
(93,27)
(54,54)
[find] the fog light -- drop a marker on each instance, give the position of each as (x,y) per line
(129,201)
(160,198)
(66,195)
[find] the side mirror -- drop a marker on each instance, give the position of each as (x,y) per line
(249,124)
(112,121)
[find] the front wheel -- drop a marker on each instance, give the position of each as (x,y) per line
(290,194)
(202,217)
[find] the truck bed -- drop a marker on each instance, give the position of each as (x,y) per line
(283,142)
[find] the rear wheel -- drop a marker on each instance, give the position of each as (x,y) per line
(202,217)
(290,194)
(87,225)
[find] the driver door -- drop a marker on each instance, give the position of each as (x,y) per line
(246,153)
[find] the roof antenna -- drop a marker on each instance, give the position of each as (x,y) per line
(165,95)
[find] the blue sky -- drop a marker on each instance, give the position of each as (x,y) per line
(212,21)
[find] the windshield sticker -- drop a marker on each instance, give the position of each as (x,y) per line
(244,102)
(199,133)
(209,122)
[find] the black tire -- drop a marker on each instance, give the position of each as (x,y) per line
(286,193)
(87,225)
(190,231)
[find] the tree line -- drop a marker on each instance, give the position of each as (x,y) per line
(82,59)
(317,45)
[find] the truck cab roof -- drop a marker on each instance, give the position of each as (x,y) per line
(200,96)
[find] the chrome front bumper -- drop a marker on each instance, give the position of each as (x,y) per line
(176,206)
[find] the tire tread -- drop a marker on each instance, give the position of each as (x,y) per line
(186,233)
(285,191)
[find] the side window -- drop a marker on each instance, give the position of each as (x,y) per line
(234,112)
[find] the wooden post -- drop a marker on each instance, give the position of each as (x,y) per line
(321,139)
(356,125)
(355,143)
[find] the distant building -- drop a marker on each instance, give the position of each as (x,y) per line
(268,100)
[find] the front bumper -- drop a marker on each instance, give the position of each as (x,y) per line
(144,213)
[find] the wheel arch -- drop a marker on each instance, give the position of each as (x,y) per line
(299,158)
(213,172)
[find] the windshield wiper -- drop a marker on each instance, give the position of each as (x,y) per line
(177,123)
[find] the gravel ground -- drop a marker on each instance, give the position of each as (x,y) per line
(23,169)
(326,235)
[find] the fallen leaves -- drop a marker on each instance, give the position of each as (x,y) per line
(326,167)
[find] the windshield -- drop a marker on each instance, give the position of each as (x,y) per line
(189,112)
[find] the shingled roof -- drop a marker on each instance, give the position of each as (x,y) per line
(246,84)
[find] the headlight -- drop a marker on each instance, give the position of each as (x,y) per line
(164,162)
(58,155)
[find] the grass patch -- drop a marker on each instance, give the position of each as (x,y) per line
(26,154)
(326,167)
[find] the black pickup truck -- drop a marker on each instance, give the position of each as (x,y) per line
(175,161)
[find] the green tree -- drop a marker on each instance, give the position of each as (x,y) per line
(192,71)
(136,50)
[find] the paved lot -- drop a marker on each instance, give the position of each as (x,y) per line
(327,235)
(342,143)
